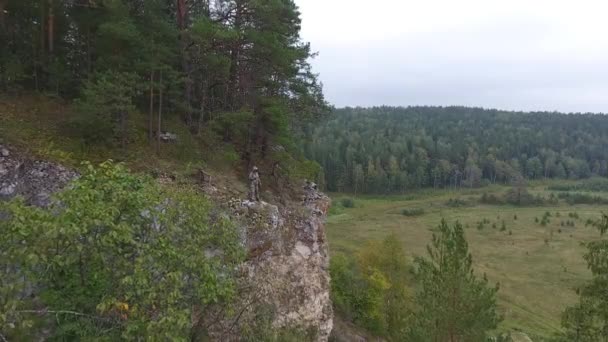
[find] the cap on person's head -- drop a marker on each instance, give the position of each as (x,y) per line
(255,168)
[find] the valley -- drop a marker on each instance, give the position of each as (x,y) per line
(538,265)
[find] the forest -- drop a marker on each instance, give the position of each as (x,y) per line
(239,66)
(394,149)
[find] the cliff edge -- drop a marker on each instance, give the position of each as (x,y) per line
(284,283)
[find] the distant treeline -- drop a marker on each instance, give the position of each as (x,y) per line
(393,149)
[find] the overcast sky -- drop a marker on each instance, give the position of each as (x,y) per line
(507,54)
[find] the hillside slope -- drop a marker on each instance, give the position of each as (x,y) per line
(284,282)
(394,149)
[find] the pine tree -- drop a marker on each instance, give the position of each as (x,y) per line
(454,305)
(587,321)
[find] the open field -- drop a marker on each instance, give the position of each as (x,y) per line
(538,266)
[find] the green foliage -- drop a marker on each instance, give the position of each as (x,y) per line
(395,149)
(233,127)
(371,290)
(581,198)
(347,202)
(452,303)
(104,108)
(239,67)
(412,212)
(593,184)
(456,203)
(587,321)
(492,199)
(262,330)
(122,259)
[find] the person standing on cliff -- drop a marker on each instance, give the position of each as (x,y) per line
(254,185)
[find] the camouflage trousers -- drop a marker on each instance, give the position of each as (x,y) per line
(254,192)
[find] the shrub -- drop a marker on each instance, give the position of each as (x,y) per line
(491,199)
(520,197)
(371,289)
(573,215)
(347,202)
(127,256)
(593,184)
(412,212)
(579,198)
(456,203)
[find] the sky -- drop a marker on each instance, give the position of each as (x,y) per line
(505,54)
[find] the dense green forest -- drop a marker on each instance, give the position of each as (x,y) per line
(393,149)
(236,65)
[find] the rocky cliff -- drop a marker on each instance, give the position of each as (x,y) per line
(287,267)
(284,283)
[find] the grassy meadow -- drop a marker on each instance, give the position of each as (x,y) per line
(538,265)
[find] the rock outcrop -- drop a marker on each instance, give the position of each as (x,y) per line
(287,268)
(35,180)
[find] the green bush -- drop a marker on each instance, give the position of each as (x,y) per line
(491,199)
(456,203)
(593,184)
(90,129)
(580,198)
(370,290)
(347,202)
(123,259)
(412,212)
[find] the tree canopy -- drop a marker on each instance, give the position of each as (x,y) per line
(197,58)
(393,149)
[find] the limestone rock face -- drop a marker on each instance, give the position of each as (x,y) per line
(287,268)
(35,180)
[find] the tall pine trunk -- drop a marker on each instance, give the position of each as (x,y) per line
(233,77)
(201,117)
(2,16)
(151,112)
(51,27)
(182,23)
(160,110)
